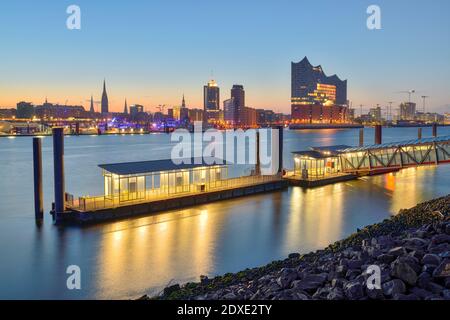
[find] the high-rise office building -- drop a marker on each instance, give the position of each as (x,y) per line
(316,96)
(238,96)
(228,111)
(211,100)
(105,104)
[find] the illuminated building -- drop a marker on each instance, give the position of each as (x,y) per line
(25,110)
(228,111)
(211,100)
(407,111)
(316,97)
(238,96)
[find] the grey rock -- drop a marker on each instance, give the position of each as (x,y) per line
(287,275)
(443,270)
(355,264)
(338,283)
(447,282)
(397,251)
(229,296)
(336,294)
(429,268)
(446,294)
(416,242)
(305,285)
(354,290)
(169,290)
(434,287)
(408,297)
(386,258)
(393,287)
(375,294)
(431,259)
(294,255)
(421,293)
(403,271)
(423,280)
(441,238)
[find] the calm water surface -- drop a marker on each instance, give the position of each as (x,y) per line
(131,257)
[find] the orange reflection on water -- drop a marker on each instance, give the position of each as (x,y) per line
(150,251)
(316,215)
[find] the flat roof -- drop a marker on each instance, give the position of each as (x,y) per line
(336,148)
(312,154)
(140,167)
(406,143)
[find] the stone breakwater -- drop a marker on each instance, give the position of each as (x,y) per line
(411,249)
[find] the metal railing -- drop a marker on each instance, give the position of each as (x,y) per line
(92,203)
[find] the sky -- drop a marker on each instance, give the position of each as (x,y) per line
(151,52)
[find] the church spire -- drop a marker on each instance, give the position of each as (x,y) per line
(183,102)
(105,104)
(92,104)
(125,109)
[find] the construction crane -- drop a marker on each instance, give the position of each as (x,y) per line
(424,98)
(409,92)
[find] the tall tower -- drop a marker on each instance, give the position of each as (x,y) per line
(183,102)
(92,105)
(125,109)
(105,105)
(238,96)
(211,100)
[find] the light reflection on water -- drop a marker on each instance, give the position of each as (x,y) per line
(127,258)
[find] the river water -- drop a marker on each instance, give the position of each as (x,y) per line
(128,258)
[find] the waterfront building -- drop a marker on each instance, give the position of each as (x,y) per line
(8,113)
(316,97)
(105,103)
(50,110)
(140,180)
(211,100)
(318,162)
(25,110)
(407,111)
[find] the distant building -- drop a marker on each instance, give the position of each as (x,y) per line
(248,118)
(8,113)
(375,114)
(211,100)
(25,110)
(238,96)
(135,109)
(50,110)
(195,115)
(316,97)
(407,111)
(350,114)
(264,117)
(105,103)
(228,111)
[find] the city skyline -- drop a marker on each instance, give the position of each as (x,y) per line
(161,61)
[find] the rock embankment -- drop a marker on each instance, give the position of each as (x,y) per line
(412,251)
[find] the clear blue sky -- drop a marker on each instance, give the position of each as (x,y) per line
(151,52)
